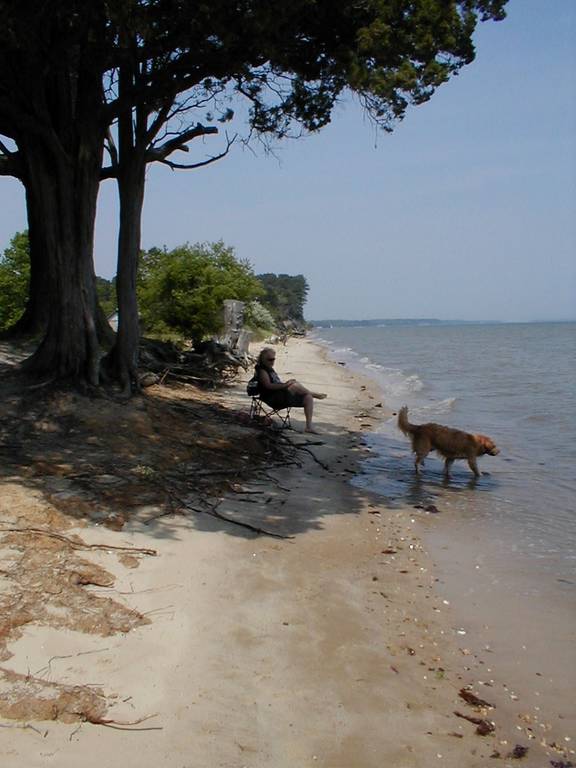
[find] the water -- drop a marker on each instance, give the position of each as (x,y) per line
(513,382)
(503,546)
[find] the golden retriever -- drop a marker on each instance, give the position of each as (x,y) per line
(450,443)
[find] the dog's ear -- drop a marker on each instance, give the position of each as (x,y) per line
(488,445)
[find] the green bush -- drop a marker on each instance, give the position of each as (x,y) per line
(259,320)
(182,292)
(14,280)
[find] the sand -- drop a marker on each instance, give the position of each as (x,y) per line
(329,648)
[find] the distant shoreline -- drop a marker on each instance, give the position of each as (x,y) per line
(383,322)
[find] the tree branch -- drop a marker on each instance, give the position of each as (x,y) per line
(209,161)
(179,142)
(10,164)
(111,148)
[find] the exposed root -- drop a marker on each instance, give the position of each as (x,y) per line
(80,544)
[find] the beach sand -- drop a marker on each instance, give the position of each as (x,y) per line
(328,648)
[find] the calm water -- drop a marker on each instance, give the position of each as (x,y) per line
(516,383)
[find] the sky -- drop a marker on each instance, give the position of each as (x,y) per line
(467,211)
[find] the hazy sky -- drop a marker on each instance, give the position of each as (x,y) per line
(468,210)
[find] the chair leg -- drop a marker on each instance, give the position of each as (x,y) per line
(258,409)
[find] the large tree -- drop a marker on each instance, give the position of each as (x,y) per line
(143,71)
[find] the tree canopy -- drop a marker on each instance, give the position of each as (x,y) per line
(143,78)
(285,295)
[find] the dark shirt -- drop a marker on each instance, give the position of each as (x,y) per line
(274,378)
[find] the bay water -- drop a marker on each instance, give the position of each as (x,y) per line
(513,382)
(504,545)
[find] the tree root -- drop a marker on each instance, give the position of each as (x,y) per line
(120,725)
(213,512)
(80,544)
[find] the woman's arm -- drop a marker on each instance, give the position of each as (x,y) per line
(266,383)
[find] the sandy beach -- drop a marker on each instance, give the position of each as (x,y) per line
(329,647)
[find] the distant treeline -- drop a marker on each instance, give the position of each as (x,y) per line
(382,321)
(285,296)
(180,292)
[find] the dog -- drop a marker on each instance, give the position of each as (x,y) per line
(450,443)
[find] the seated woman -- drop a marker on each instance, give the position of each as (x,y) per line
(284,394)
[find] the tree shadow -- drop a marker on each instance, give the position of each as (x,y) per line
(173,455)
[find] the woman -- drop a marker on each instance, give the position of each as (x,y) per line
(284,394)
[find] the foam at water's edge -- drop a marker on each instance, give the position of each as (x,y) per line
(395,383)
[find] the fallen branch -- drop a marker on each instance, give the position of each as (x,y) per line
(472,699)
(325,467)
(80,544)
(213,512)
(484,727)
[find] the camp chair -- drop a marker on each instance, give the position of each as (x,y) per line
(259,410)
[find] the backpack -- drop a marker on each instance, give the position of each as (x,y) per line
(253,387)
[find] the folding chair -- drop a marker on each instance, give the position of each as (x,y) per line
(259,410)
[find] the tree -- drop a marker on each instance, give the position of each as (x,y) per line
(106,291)
(259,319)
(14,280)
(70,70)
(285,295)
(51,96)
(183,291)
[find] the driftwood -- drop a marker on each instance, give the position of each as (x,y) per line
(472,699)
(484,727)
(209,365)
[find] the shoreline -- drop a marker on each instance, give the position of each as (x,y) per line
(332,648)
(519,626)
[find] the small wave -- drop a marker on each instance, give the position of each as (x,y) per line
(344,350)
(435,409)
(396,383)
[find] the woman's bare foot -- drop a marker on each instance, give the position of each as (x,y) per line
(319,395)
(311,431)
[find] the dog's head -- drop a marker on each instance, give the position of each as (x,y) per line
(487,445)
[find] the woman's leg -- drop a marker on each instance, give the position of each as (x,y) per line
(300,389)
(308,411)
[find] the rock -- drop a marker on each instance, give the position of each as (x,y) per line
(108,480)
(149,379)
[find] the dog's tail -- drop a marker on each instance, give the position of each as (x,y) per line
(403,423)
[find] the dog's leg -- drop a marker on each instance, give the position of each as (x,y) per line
(419,461)
(473,466)
(421,448)
(447,464)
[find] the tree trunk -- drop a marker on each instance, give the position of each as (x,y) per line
(122,362)
(64,189)
(34,320)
